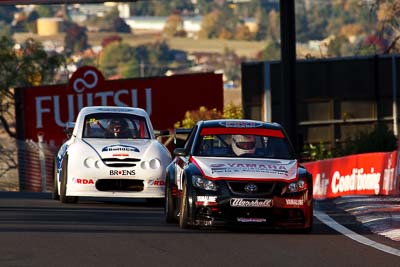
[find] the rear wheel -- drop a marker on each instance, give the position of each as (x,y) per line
(63,188)
(184,209)
(169,208)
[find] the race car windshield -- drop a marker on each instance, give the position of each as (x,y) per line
(256,146)
(115,126)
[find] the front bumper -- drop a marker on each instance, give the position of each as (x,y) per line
(292,212)
(96,184)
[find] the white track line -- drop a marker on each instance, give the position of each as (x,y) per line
(347,232)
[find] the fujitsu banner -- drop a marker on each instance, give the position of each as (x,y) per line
(362,174)
(45,110)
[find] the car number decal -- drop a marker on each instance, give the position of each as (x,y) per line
(251,220)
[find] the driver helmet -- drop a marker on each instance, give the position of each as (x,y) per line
(243,144)
(117,126)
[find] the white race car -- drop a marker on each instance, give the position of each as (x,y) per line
(112,152)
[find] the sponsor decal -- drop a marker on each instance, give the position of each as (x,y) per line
(156,182)
(248,167)
(120,155)
(240,124)
(206,201)
(296,202)
(207,198)
(255,220)
(122,172)
(82,181)
(320,185)
(251,203)
(119,148)
(115,110)
(357,180)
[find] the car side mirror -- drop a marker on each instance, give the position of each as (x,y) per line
(69,128)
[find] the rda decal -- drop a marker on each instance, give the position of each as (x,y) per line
(156,182)
(119,148)
(122,172)
(251,203)
(82,181)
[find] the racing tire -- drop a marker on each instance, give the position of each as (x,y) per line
(63,187)
(184,209)
(309,228)
(54,192)
(169,208)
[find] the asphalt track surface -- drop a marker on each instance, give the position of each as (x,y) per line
(38,231)
(380,214)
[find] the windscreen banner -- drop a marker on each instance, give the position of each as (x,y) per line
(45,110)
(361,174)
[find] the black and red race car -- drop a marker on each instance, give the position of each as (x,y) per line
(238,172)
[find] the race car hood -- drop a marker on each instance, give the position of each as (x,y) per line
(244,169)
(120,148)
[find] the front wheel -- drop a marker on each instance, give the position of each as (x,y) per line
(54,193)
(63,188)
(184,209)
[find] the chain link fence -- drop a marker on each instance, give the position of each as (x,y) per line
(26,165)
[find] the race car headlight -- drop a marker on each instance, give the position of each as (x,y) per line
(152,164)
(203,183)
(92,163)
(297,186)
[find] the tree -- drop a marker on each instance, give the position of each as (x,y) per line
(5,29)
(388,17)
(7,13)
(113,59)
(174,26)
(262,24)
(231,64)
(273,28)
(110,39)
(75,39)
(272,51)
(243,33)
(379,139)
(203,113)
(26,66)
(339,47)
(46,10)
(209,25)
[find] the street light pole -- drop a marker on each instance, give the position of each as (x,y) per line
(288,70)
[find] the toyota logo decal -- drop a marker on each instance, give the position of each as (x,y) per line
(251,188)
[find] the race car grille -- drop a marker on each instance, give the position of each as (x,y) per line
(115,162)
(255,188)
(119,185)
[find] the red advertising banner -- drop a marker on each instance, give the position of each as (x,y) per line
(362,174)
(46,109)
